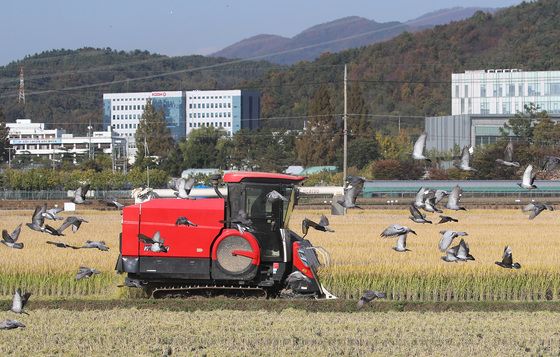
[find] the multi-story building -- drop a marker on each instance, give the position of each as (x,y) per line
(483,101)
(230,110)
(122,111)
(27,138)
(504,91)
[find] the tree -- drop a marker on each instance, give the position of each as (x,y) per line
(4,137)
(321,138)
(153,131)
(358,123)
(362,151)
(522,124)
(202,149)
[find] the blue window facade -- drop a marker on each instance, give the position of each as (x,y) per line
(174,112)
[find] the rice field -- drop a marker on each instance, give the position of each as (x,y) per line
(152,332)
(360,259)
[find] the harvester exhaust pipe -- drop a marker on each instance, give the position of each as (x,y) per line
(215,179)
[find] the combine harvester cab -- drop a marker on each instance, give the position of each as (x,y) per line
(219,253)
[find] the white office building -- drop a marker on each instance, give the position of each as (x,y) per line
(27,138)
(230,110)
(504,91)
(123,111)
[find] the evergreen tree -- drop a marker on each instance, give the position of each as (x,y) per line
(523,124)
(358,121)
(203,149)
(321,139)
(152,130)
(4,140)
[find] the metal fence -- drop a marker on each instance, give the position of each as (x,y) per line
(59,195)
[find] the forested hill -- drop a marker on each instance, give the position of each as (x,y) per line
(65,87)
(411,74)
(408,75)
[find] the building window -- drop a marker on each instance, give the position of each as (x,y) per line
(484,108)
(114,116)
(554,88)
(462,105)
(520,90)
(500,91)
(203,115)
(483,90)
(198,105)
(190,125)
(466,90)
(533,89)
(229,105)
(190,105)
(511,90)
(506,109)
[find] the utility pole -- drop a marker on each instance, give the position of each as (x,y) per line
(345,128)
(21,91)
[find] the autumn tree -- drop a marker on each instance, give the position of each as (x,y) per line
(321,138)
(152,131)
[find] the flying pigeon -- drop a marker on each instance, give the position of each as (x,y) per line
(420,197)
(528,180)
(112,201)
(419,145)
(184,221)
(94,244)
(451,255)
(401,244)
(72,221)
(430,205)
(275,196)
(453,199)
(395,230)
(536,208)
(447,238)
(52,213)
(354,186)
(370,295)
(10,240)
(507,260)
(464,163)
(19,301)
(322,226)
(38,219)
(80,194)
(445,219)
(181,186)
(62,245)
(508,157)
(241,222)
(143,194)
(417,216)
(85,272)
(10,324)
(463,252)
(154,244)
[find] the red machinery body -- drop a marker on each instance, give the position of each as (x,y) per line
(217,251)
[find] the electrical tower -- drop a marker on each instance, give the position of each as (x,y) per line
(21,94)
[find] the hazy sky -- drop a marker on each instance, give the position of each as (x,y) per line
(180,27)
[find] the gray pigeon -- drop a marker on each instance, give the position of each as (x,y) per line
(528,179)
(451,255)
(536,208)
(508,157)
(430,205)
(295,279)
(154,244)
(62,245)
(417,216)
(94,244)
(19,301)
(38,219)
(112,201)
(182,186)
(396,230)
(72,221)
(85,272)
(507,260)
(447,238)
(370,295)
(445,219)
(275,196)
(419,145)
(551,162)
(10,324)
(464,163)
(463,252)
(80,194)
(52,213)
(420,197)
(453,199)
(322,226)
(241,222)
(354,186)
(184,221)
(401,244)
(10,240)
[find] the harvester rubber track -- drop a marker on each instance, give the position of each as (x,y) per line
(186,290)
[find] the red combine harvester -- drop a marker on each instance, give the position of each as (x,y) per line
(221,251)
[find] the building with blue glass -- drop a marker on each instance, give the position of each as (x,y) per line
(122,111)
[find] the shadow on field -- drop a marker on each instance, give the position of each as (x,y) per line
(341,305)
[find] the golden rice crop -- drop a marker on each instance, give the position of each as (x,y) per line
(153,332)
(360,258)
